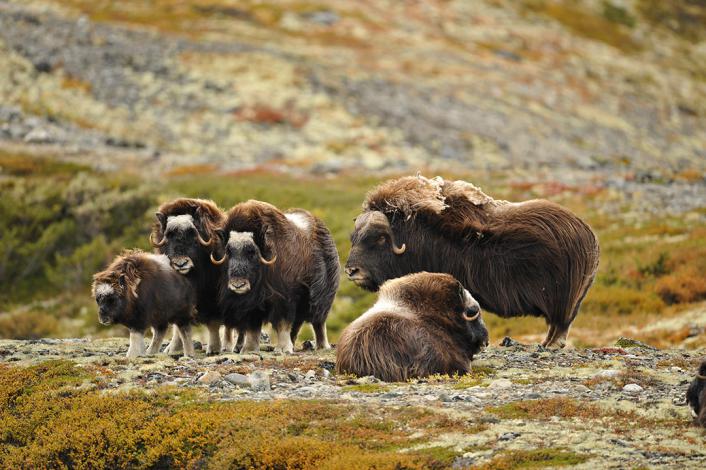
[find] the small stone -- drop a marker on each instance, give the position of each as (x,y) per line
(259,381)
(500,383)
(294,377)
(39,136)
(509,436)
(325,373)
(210,377)
(368,379)
(307,345)
(632,388)
(310,375)
(198,346)
(238,380)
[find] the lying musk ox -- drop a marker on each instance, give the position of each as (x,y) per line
(422,324)
(276,267)
(696,396)
(185,232)
(141,290)
(527,258)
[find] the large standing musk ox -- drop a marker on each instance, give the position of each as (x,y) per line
(277,267)
(422,324)
(185,231)
(696,396)
(527,258)
(140,290)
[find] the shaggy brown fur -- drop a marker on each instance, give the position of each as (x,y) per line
(529,258)
(140,290)
(192,259)
(300,284)
(417,328)
(696,396)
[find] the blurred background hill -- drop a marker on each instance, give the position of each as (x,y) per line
(109,108)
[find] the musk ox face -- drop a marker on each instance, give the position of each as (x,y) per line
(374,252)
(475,326)
(182,242)
(111,302)
(696,396)
(245,262)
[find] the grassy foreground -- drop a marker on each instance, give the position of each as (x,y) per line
(66,222)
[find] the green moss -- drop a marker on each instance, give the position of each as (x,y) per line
(537,458)
(366,388)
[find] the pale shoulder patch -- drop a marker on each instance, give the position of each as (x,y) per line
(103,289)
(179,222)
(298,219)
(161,260)
(238,239)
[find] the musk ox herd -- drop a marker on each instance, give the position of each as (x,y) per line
(437,251)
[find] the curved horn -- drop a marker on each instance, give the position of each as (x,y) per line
(701,377)
(398,250)
(218,262)
(270,262)
(473,318)
(162,242)
(201,240)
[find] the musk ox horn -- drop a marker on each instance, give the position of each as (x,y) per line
(398,250)
(270,262)
(162,242)
(701,377)
(473,318)
(201,240)
(218,262)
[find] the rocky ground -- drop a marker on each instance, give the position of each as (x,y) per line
(619,406)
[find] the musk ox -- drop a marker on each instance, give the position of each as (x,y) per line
(422,324)
(528,258)
(277,267)
(141,290)
(185,231)
(696,396)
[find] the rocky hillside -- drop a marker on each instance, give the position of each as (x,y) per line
(621,406)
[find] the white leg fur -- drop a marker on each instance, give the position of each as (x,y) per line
(252,342)
(175,346)
(137,344)
(185,333)
(156,343)
(227,341)
(214,338)
(284,338)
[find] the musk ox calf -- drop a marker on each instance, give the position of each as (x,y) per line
(277,267)
(422,324)
(696,396)
(528,258)
(141,290)
(185,231)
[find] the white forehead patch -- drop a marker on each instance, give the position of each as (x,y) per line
(298,219)
(179,222)
(239,239)
(161,260)
(104,289)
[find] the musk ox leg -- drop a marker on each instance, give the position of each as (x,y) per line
(137,344)
(284,338)
(321,335)
(558,341)
(296,326)
(239,342)
(252,342)
(156,343)
(550,334)
(185,334)
(175,346)
(227,341)
(214,338)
